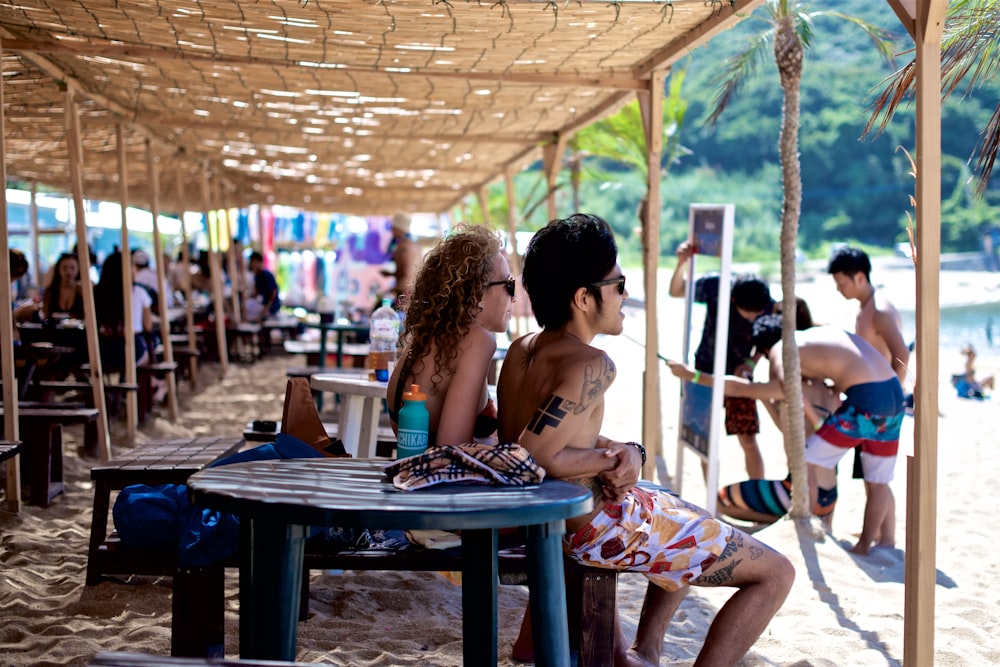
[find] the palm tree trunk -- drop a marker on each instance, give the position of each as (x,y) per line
(788,57)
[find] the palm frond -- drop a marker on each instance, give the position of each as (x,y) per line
(738,71)
(970,53)
(882,39)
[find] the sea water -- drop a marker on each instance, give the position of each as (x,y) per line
(960,326)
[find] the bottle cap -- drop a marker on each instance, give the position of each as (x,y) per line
(414,394)
(386,301)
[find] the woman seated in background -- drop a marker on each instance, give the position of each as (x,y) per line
(62,296)
(112,327)
(111,324)
(966,383)
(461,298)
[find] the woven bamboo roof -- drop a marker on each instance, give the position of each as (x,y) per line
(354,106)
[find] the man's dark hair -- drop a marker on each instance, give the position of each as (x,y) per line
(766,332)
(750,292)
(562,257)
(850,261)
(256,256)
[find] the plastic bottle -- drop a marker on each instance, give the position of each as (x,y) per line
(384,336)
(413,423)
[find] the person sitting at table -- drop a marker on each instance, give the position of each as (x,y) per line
(112,327)
(18,267)
(462,296)
(62,296)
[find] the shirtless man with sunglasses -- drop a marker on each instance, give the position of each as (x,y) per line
(551,401)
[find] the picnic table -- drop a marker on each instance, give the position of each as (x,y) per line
(277,500)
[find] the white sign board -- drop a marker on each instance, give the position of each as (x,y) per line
(711,233)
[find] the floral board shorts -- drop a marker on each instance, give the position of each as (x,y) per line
(654,533)
(741,416)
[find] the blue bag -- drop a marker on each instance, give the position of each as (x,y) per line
(148,517)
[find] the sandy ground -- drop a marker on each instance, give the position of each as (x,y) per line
(843,609)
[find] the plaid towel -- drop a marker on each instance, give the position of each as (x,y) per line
(472,463)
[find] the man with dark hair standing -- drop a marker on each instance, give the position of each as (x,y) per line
(877,322)
(551,401)
(749,298)
(264,284)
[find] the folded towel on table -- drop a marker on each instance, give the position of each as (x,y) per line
(506,464)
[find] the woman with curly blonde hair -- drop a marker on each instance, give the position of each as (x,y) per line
(461,298)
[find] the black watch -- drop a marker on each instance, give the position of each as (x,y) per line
(642,450)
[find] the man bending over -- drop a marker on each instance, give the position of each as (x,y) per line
(869,417)
(551,401)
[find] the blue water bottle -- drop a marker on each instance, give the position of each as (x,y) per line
(412,427)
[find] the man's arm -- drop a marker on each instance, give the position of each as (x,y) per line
(886,326)
(461,404)
(735,386)
(678,280)
(553,434)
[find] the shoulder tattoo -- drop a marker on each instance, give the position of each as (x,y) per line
(551,413)
(596,380)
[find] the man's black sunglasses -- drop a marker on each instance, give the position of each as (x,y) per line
(508,284)
(620,281)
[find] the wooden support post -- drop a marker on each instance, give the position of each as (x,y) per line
(153,177)
(215,267)
(515,257)
(186,285)
(651,106)
(10,422)
(83,257)
(131,399)
(552,163)
(921,486)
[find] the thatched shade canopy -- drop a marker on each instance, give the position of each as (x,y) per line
(354,106)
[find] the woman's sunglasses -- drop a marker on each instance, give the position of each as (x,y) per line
(620,281)
(508,284)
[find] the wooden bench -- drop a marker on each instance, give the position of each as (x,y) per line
(243,340)
(146,660)
(198,601)
(186,359)
(8,450)
(197,624)
(41,436)
(157,462)
(145,375)
(286,327)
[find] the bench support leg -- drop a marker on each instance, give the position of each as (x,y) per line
(597,617)
(198,612)
(42,463)
(480,575)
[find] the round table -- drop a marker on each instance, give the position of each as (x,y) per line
(276,500)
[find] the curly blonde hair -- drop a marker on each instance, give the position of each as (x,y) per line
(445,299)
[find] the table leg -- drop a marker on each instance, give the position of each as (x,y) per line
(352,412)
(479,597)
(321,362)
(548,594)
(270,582)
(368,435)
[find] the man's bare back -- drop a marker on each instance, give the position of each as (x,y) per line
(844,358)
(538,369)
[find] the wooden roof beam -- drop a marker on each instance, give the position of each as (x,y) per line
(158,53)
(725,17)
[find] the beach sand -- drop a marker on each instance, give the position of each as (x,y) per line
(843,609)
